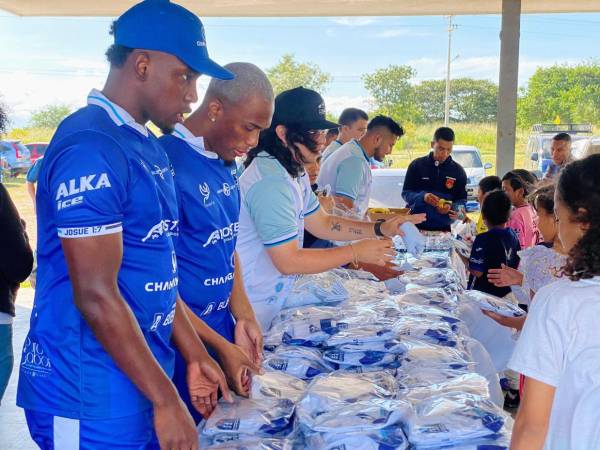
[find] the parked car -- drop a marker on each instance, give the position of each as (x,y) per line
(386,189)
(14,157)
(538,151)
(469,157)
(37,150)
(586,147)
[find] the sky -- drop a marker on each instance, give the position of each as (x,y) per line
(58,60)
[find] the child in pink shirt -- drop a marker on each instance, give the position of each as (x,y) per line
(523,219)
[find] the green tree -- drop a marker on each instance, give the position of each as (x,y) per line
(49,116)
(392,92)
(289,74)
(471,100)
(571,92)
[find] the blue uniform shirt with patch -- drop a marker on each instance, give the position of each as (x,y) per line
(490,250)
(103,173)
(209,211)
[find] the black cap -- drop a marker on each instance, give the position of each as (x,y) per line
(303,108)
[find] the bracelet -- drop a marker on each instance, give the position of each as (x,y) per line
(354,256)
(377,228)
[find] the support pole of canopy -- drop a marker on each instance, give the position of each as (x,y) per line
(507,92)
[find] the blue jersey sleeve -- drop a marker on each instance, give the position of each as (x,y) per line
(349,178)
(270,203)
(34,172)
(88,181)
(477,259)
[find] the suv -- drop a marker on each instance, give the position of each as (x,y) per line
(538,151)
(14,157)
(37,150)
(469,157)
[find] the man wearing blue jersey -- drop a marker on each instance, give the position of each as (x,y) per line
(202,152)
(97,362)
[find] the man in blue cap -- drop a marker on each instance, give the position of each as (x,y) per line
(97,362)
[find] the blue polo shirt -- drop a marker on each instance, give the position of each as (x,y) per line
(103,173)
(209,212)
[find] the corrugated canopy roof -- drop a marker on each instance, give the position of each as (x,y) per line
(284,8)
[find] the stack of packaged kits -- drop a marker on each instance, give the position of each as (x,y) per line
(350,365)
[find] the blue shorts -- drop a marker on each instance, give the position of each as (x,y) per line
(227,330)
(59,433)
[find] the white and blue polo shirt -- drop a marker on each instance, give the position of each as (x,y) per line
(103,173)
(274,206)
(348,174)
(209,211)
(331,148)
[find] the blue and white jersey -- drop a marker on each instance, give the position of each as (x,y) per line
(209,211)
(103,173)
(273,209)
(348,174)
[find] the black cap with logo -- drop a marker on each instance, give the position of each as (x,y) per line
(303,108)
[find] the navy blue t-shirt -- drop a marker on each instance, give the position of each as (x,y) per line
(490,250)
(102,174)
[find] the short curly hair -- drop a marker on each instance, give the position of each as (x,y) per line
(578,188)
(117,54)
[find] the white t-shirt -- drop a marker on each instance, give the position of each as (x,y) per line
(560,346)
(272,213)
(348,173)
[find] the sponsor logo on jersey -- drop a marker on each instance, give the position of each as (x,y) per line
(167,227)
(161,286)
(158,319)
(35,361)
(213,306)
(205,192)
(82,184)
(450,182)
(226,189)
(224,234)
(159,171)
(218,281)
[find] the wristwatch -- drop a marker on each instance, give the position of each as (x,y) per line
(377,227)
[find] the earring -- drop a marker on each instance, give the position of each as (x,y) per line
(212,119)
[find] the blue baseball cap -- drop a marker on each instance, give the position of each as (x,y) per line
(170,28)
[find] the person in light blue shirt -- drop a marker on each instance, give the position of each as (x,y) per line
(352,125)
(97,361)
(277,202)
(202,152)
(348,171)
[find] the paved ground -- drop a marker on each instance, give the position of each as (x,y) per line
(13,429)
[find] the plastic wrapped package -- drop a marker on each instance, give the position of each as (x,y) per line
(471,383)
(453,419)
(350,274)
(431,260)
(391,438)
(374,332)
(232,441)
(434,331)
(277,385)
(429,297)
(389,346)
(430,277)
(364,358)
(319,289)
(361,416)
(413,377)
(424,354)
(501,306)
(300,362)
(462,247)
(327,392)
(437,241)
(265,417)
(436,312)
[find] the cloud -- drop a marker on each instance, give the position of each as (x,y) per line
(483,67)
(354,21)
(397,32)
(336,104)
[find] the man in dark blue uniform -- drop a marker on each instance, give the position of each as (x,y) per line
(436,184)
(97,362)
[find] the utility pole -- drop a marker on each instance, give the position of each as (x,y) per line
(451,28)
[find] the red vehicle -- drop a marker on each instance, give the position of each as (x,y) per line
(37,150)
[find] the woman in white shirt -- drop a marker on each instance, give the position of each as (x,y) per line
(559,348)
